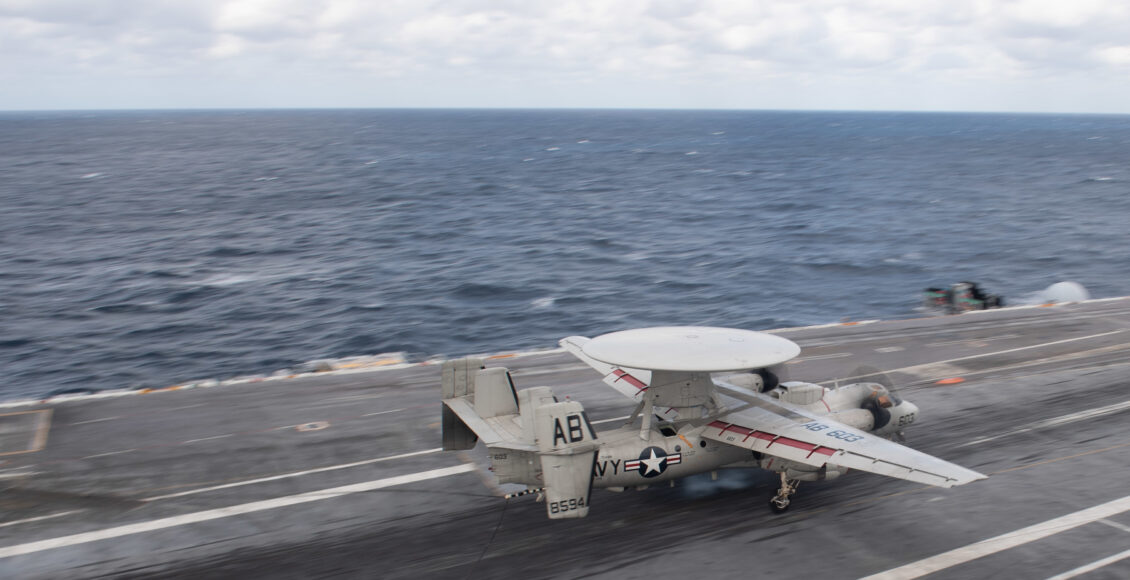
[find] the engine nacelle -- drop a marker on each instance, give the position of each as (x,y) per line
(861,419)
(824,473)
(800,471)
(890,414)
(901,415)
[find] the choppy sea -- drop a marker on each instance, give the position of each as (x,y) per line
(143,249)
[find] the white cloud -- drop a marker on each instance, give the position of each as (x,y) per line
(860,38)
(624,46)
(227,46)
(744,37)
(1050,15)
(261,16)
(1115,55)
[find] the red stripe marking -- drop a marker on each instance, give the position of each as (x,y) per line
(723,427)
(740,430)
(763,436)
(806,446)
(620,374)
(794,443)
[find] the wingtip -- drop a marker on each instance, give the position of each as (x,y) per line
(575,341)
(974,476)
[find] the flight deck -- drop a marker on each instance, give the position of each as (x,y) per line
(340,474)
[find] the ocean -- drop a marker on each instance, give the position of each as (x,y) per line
(144,249)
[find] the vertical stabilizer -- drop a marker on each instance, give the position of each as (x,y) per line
(459,376)
(567,449)
(458,381)
(494,393)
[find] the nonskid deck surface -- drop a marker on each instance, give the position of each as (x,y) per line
(341,475)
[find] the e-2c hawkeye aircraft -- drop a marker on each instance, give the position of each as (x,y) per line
(685,422)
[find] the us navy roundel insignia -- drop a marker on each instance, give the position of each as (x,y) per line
(653,461)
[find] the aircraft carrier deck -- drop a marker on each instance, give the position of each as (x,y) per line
(340,475)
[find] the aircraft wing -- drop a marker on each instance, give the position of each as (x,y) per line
(762,424)
(629,382)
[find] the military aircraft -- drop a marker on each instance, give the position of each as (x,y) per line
(685,422)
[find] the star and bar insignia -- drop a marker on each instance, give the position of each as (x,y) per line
(653,461)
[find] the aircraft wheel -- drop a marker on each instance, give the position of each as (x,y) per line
(778,507)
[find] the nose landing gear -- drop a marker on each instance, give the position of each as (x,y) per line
(780,502)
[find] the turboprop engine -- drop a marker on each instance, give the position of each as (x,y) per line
(871,407)
(891,413)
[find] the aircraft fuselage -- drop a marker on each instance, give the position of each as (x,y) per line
(626,460)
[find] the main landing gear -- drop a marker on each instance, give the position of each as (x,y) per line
(780,502)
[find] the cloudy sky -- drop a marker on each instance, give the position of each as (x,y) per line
(961,55)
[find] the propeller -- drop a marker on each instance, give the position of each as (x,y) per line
(761,380)
(769,379)
(889,410)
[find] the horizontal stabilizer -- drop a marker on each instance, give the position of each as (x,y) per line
(483,402)
(457,436)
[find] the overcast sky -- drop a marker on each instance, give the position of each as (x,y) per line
(961,55)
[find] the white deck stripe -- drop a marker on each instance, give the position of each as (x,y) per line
(382,412)
(1056,421)
(1092,566)
(910,369)
(293,474)
(972,340)
(1089,414)
(15,474)
(209,438)
(39,519)
(610,420)
(1003,542)
(95,421)
(1115,525)
(356,397)
(109,453)
(1030,347)
(819,357)
(226,512)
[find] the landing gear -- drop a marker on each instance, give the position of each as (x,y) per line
(780,502)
